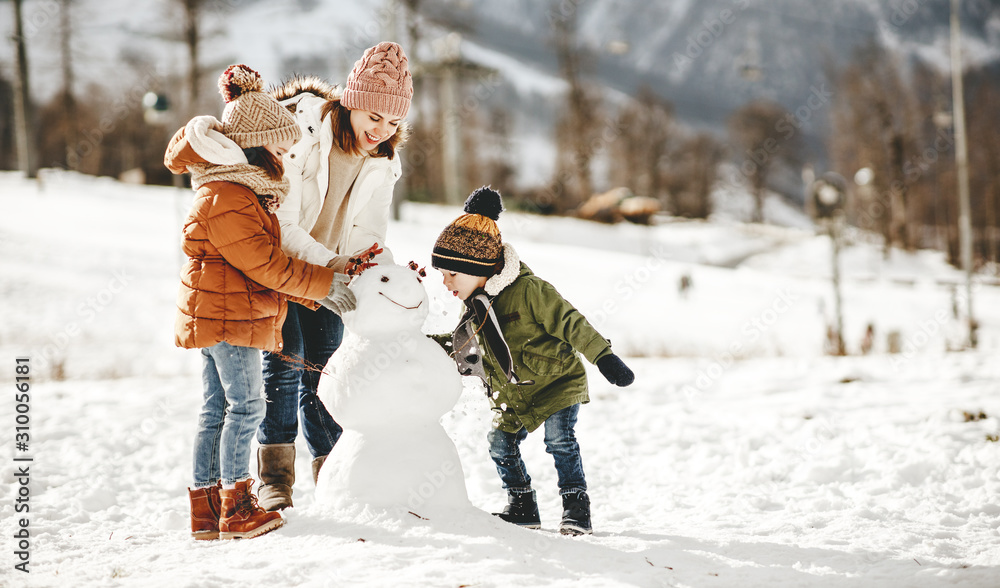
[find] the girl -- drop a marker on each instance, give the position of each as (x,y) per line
(342,175)
(233,292)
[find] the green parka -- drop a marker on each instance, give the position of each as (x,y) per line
(544,333)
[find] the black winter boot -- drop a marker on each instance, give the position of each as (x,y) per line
(576,514)
(522,510)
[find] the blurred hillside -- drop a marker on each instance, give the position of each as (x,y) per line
(689,67)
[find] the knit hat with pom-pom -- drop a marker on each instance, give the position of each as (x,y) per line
(380,82)
(252,117)
(471,244)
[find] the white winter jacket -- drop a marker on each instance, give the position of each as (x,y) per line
(307,167)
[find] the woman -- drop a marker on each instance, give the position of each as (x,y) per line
(342,175)
(234,287)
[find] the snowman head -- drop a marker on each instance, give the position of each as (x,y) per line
(391,298)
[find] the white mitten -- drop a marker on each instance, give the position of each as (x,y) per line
(340,298)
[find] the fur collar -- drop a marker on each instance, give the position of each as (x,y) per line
(306,84)
(511,269)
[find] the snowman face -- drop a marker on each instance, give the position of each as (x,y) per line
(391,299)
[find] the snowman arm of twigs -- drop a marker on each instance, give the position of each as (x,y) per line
(362,261)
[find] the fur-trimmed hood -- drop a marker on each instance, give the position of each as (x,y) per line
(314,85)
(511,269)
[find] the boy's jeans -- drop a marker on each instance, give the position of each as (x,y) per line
(560,441)
(233,409)
(290,386)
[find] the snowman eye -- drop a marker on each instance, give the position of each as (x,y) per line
(385,278)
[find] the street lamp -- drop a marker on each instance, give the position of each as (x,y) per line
(829,195)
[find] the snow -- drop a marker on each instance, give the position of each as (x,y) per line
(741,456)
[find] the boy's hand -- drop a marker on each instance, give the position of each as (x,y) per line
(614,369)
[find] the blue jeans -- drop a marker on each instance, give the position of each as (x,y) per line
(233,409)
(310,338)
(560,442)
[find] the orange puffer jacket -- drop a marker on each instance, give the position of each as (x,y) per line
(236,281)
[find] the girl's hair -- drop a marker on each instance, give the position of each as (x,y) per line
(343,132)
(267,161)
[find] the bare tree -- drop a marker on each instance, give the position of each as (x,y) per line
(646,127)
(757,130)
(693,172)
(68,98)
(874,128)
(192,38)
(577,132)
(499,168)
(23,111)
(984,160)
(8,149)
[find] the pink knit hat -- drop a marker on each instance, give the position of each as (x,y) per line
(380,82)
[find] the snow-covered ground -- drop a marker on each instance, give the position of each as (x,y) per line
(741,456)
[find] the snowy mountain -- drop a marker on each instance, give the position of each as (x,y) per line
(710,57)
(707,57)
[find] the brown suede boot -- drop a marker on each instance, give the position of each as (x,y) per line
(276,469)
(241,517)
(205,507)
(317,464)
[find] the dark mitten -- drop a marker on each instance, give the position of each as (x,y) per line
(614,369)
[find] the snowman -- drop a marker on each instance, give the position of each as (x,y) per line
(388,386)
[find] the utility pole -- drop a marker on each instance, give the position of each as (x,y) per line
(962,163)
(23,115)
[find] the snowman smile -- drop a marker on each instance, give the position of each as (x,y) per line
(400,305)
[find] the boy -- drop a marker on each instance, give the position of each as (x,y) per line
(527,358)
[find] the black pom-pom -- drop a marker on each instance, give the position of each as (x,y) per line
(485,201)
